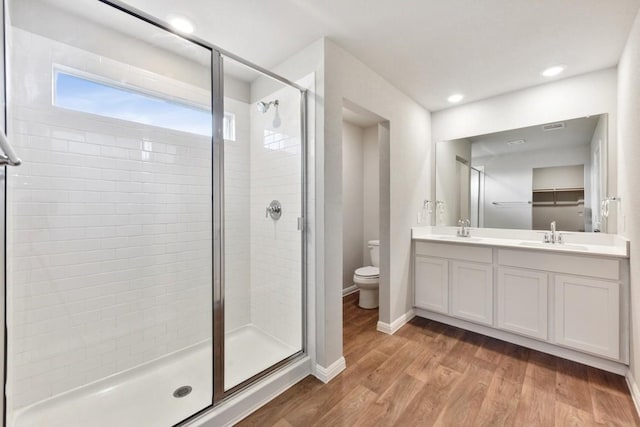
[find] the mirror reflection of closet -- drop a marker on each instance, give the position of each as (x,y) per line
(558,195)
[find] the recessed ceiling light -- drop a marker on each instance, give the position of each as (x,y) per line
(182,25)
(455,98)
(553,71)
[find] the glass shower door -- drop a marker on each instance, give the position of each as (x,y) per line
(109,219)
(263,237)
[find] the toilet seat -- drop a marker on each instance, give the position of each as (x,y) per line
(368,272)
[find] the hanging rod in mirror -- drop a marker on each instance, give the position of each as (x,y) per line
(514,204)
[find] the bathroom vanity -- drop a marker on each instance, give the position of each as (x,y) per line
(569,299)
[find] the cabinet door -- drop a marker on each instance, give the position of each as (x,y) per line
(522,302)
(588,315)
(431,283)
(472,292)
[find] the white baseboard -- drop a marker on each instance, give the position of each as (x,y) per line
(392,328)
(349,290)
(634,390)
(247,401)
(327,374)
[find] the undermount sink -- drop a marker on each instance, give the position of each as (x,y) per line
(568,246)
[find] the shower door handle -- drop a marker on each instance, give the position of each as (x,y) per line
(9,157)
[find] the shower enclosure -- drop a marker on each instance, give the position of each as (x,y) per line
(154,231)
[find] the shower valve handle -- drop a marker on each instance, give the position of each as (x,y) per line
(274,210)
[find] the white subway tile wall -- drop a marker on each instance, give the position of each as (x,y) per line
(237,228)
(276,246)
(109,231)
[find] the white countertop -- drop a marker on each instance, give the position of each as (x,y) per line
(602,244)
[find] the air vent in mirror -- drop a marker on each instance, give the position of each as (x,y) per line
(553,126)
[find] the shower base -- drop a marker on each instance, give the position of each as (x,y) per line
(249,351)
(143,396)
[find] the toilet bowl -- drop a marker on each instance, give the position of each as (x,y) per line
(367,278)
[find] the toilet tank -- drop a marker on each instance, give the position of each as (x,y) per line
(374,252)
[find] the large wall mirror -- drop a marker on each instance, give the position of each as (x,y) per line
(525,178)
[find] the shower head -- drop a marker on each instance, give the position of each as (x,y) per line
(263,107)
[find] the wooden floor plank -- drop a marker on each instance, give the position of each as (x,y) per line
(607,381)
(491,350)
(535,408)
(382,377)
(348,409)
(541,371)
(572,384)
(501,403)
(425,408)
(389,408)
(513,363)
(283,404)
(424,366)
(430,373)
(462,353)
(326,398)
(569,416)
(612,409)
(465,400)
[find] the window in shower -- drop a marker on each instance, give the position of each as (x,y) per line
(95,95)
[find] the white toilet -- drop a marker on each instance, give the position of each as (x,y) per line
(367,278)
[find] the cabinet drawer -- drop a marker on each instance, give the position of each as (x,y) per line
(602,268)
(461,252)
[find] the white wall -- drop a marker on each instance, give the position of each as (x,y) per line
(584,95)
(371,190)
(340,76)
(628,127)
(109,230)
(360,194)
(353,197)
(409,179)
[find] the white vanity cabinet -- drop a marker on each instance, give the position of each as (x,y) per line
(565,303)
(522,301)
(432,284)
(588,315)
(472,291)
(455,280)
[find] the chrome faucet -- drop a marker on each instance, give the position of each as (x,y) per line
(463,231)
(553,236)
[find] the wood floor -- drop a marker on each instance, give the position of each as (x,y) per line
(433,374)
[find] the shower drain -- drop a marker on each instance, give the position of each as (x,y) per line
(182,391)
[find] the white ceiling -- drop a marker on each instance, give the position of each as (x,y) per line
(427,48)
(577,132)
